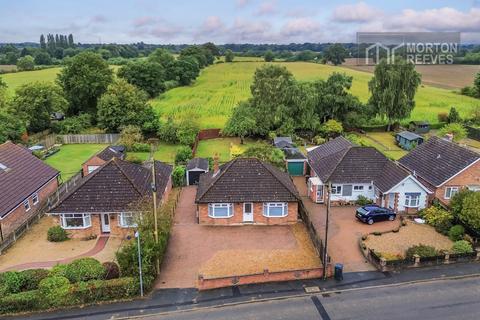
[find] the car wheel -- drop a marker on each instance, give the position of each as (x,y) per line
(370,221)
(391,218)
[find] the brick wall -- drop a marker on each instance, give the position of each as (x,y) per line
(18,216)
(96,228)
(471,176)
(258,217)
(94,161)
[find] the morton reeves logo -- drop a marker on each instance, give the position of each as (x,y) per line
(415,47)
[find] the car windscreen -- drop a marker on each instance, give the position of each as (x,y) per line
(362,211)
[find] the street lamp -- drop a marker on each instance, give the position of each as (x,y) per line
(325,254)
(137,235)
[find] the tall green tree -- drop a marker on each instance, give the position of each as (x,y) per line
(393,89)
(336,54)
(454,116)
(43,45)
(166,60)
(269,56)
(229,56)
(267,153)
(26,63)
(34,102)
(186,70)
(241,123)
(147,75)
(42,58)
(71,44)
(11,127)
(84,79)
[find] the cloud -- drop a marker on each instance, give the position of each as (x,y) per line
(98,19)
(212,24)
(359,12)
(155,27)
(267,8)
(300,26)
(251,31)
(242,3)
(144,21)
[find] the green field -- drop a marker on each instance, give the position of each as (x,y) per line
(220,87)
(165,153)
(70,158)
(16,79)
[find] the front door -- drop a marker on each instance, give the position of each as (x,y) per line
(248,212)
(105,222)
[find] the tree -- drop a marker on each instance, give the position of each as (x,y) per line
(34,103)
(147,75)
(187,130)
(197,53)
(458,131)
(166,60)
(84,79)
(336,54)
(393,89)
(43,45)
(269,56)
(168,131)
(71,44)
(124,104)
(26,63)
(210,46)
(184,154)
(43,58)
(241,123)
(476,84)
(470,215)
(331,129)
(229,56)
(186,70)
(267,153)
(3,94)
(11,127)
(454,116)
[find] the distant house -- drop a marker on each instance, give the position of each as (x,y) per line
(102,202)
(356,171)
(444,167)
(97,160)
(194,169)
(246,191)
(25,184)
(283,142)
(296,161)
(408,140)
(419,126)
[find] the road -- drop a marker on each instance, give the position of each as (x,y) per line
(441,299)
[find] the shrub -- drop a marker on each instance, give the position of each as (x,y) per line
(168,131)
(84,269)
(462,246)
(470,215)
(59,270)
(55,290)
(23,301)
(442,117)
(456,232)
(72,125)
(457,129)
(362,201)
(178,176)
(184,154)
(100,290)
(140,147)
(133,159)
(56,234)
(33,277)
(187,131)
(11,282)
(390,256)
(112,270)
(129,136)
(318,140)
(422,250)
(438,218)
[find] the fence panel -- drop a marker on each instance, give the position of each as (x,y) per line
(104,138)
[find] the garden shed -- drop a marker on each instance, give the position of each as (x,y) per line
(419,126)
(296,161)
(408,140)
(195,168)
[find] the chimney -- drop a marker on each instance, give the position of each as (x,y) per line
(215,164)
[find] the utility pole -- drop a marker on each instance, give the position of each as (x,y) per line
(325,244)
(137,235)
(154,197)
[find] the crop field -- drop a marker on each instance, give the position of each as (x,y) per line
(222,86)
(16,79)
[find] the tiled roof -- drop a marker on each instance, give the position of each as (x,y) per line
(200,163)
(246,179)
(283,142)
(113,187)
(324,158)
(111,152)
(21,174)
(437,160)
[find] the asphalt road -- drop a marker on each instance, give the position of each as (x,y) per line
(445,299)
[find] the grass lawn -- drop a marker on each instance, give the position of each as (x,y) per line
(165,153)
(71,156)
(222,146)
(15,80)
(383,142)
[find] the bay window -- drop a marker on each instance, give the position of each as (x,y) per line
(275,209)
(75,220)
(412,200)
(220,210)
(127,220)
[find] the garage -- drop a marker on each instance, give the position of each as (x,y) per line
(296,161)
(195,168)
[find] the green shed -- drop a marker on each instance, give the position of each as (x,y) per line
(296,161)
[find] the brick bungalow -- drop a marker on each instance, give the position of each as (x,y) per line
(104,201)
(355,171)
(25,184)
(246,191)
(444,167)
(97,160)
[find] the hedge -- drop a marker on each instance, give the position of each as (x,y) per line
(101,290)
(23,301)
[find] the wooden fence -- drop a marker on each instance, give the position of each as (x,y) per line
(205,135)
(103,138)
(312,232)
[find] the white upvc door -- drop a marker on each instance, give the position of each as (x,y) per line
(105,222)
(248,212)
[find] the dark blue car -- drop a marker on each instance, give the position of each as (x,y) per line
(373,213)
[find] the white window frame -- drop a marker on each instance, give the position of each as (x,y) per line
(453,190)
(94,168)
(358,188)
(409,198)
(26,205)
(35,199)
(87,220)
(213,206)
(336,190)
(270,205)
(122,222)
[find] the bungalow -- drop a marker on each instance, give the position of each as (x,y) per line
(97,160)
(356,171)
(246,191)
(108,194)
(444,167)
(408,140)
(25,184)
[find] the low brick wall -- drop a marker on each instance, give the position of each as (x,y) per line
(266,276)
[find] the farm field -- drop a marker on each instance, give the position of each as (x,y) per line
(7,67)
(220,87)
(14,80)
(71,156)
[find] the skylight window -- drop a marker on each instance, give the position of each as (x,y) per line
(3,167)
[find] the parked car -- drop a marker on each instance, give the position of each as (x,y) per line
(374,213)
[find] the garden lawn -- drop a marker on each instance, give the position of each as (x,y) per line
(16,79)
(383,142)
(70,158)
(225,147)
(165,153)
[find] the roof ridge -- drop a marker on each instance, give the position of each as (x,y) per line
(340,161)
(228,165)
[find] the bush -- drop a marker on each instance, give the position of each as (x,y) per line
(55,290)
(442,117)
(168,131)
(11,282)
(362,200)
(59,270)
(422,250)
(112,270)
(318,140)
(187,131)
(140,147)
(184,154)
(73,125)
(84,269)
(33,277)
(23,301)
(101,290)
(470,215)
(129,136)
(438,218)
(178,176)
(456,232)
(56,234)
(462,246)
(133,159)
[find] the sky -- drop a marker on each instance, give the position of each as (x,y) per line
(232,21)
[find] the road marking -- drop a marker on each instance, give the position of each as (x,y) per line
(320,308)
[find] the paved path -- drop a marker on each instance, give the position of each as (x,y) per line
(99,246)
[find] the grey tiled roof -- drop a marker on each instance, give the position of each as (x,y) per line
(112,151)
(246,179)
(437,160)
(200,163)
(409,135)
(324,158)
